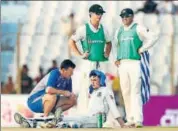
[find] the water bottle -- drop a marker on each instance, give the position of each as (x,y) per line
(99,120)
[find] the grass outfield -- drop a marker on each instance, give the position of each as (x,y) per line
(95,129)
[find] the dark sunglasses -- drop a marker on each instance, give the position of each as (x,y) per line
(126,16)
(98,13)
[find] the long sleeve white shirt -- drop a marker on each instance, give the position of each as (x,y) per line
(102,100)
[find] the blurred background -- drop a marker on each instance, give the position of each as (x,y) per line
(34,40)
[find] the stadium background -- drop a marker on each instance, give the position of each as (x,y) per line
(34,33)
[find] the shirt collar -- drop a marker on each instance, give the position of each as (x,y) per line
(92,27)
(127,28)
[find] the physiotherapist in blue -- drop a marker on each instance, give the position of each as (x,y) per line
(54,92)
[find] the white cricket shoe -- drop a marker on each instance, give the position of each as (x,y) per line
(138,125)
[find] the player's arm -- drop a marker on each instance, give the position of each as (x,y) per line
(74,48)
(115,47)
(108,43)
(77,36)
(148,37)
(108,49)
(52,90)
(51,85)
(112,106)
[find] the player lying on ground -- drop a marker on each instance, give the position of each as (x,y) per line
(101,101)
(53,93)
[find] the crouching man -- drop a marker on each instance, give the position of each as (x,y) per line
(53,94)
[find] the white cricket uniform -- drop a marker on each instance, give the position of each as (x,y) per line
(101,100)
(85,66)
(130,75)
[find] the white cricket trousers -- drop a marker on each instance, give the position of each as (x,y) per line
(85,121)
(130,82)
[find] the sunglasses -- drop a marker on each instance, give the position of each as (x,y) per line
(98,13)
(126,16)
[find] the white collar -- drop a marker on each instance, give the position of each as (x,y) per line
(127,28)
(93,28)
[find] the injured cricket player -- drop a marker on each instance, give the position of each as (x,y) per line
(101,101)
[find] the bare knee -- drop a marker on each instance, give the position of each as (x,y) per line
(49,97)
(73,101)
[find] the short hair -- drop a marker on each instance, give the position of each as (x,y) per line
(67,64)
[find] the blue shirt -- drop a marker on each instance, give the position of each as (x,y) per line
(52,79)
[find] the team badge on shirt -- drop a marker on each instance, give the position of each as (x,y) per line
(99,94)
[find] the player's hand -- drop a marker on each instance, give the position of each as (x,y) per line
(67,93)
(121,122)
(139,51)
(117,63)
(73,96)
(106,55)
(85,55)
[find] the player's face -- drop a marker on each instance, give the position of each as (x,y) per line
(68,72)
(127,20)
(95,81)
(97,16)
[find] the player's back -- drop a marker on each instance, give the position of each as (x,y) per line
(41,85)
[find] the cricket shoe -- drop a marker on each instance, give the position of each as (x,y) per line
(130,124)
(57,118)
(138,125)
(47,125)
(21,120)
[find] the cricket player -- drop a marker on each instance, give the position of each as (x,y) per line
(54,92)
(101,100)
(132,40)
(93,50)
(95,41)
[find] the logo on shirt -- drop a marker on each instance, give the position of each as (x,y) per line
(95,41)
(127,39)
(99,94)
